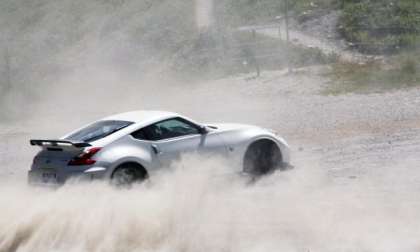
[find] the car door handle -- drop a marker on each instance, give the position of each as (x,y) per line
(156,149)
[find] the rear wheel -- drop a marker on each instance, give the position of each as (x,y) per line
(128,174)
(262,157)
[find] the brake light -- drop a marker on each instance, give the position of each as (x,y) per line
(86,157)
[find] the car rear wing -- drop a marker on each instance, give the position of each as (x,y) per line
(58,143)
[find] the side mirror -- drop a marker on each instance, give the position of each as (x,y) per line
(203,130)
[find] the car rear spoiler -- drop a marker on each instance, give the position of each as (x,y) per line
(58,143)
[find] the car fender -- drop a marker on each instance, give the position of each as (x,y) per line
(124,151)
(129,159)
(281,143)
(238,142)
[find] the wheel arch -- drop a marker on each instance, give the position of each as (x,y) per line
(129,160)
(279,141)
(262,139)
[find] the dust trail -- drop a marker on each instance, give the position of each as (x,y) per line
(198,206)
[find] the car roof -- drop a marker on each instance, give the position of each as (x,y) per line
(142,116)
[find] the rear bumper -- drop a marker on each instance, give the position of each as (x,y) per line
(54,178)
(36,177)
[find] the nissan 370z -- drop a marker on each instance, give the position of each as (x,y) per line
(130,147)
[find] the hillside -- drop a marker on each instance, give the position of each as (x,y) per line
(370,26)
(44,41)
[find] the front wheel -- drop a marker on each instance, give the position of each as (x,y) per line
(262,157)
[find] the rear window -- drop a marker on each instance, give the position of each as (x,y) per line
(98,130)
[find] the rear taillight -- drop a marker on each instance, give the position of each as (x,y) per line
(85,158)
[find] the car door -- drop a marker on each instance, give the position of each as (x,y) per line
(176,136)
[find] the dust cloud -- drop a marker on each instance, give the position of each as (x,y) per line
(199,206)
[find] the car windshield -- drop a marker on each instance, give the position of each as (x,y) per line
(98,130)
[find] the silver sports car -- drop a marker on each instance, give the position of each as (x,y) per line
(131,147)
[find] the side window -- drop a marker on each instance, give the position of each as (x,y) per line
(139,134)
(171,128)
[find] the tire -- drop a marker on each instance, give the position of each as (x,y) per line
(262,157)
(128,174)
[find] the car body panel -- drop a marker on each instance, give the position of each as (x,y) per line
(203,144)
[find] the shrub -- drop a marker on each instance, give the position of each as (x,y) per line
(378,26)
(409,67)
